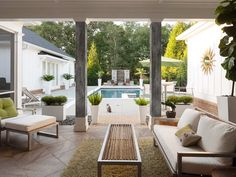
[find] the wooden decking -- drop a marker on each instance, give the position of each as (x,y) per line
(120,144)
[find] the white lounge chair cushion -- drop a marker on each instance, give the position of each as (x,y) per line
(217,136)
(189,116)
(29,123)
(171,145)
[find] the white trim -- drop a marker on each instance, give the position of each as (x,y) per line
(197,28)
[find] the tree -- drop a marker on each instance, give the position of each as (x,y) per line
(93,65)
(165,33)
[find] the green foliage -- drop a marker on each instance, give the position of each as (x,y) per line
(170,104)
(93,65)
(95,99)
(168,73)
(54,100)
(140,72)
(174,99)
(141,101)
(226,16)
(182,73)
(186,99)
(47,77)
(67,76)
(180,99)
(100,74)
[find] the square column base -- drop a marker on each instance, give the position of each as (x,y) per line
(151,121)
(81,124)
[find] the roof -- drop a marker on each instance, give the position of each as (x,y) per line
(34,38)
(198,27)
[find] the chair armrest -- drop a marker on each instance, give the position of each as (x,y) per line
(33,110)
(180,155)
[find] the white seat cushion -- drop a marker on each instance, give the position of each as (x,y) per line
(189,116)
(217,136)
(171,145)
(29,123)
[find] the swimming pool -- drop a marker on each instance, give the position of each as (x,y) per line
(119,92)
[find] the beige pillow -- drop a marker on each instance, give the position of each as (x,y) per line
(189,116)
(217,136)
(187,136)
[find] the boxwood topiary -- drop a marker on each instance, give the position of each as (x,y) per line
(54,100)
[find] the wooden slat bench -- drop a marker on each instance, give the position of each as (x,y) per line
(120,147)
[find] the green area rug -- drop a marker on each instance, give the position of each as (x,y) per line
(84,162)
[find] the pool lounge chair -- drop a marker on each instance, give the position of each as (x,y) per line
(31,98)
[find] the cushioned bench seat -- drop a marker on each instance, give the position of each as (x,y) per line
(28,123)
(171,146)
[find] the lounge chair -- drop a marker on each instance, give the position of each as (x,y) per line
(31,98)
(11,121)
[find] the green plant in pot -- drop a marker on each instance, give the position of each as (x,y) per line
(226,16)
(47,78)
(143,108)
(141,72)
(67,78)
(95,99)
(172,113)
(100,74)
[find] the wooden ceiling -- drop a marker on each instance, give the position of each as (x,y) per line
(154,10)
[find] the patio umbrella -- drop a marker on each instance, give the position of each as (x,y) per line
(164,62)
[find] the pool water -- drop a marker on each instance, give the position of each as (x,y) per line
(117,92)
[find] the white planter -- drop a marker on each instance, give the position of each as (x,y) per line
(67,84)
(99,82)
(140,82)
(94,113)
(227,108)
(47,87)
(143,112)
(58,111)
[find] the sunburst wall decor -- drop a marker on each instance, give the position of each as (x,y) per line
(208,61)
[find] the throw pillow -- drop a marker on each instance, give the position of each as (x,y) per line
(189,116)
(187,136)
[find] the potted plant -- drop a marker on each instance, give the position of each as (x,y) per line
(47,78)
(100,74)
(95,99)
(54,106)
(171,113)
(225,16)
(67,78)
(141,72)
(143,108)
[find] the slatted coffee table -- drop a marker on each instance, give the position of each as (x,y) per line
(120,147)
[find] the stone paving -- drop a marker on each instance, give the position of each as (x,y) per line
(49,156)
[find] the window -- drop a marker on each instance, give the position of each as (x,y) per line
(7,73)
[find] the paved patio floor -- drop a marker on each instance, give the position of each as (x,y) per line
(49,156)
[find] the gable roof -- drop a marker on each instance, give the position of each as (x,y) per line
(34,38)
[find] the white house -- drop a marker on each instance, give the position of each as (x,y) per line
(207,85)
(34,55)
(40,57)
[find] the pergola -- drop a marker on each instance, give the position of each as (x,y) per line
(82,11)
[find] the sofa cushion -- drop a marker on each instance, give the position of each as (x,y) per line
(171,146)
(189,116)
(187,136)
(29,123)
(7,108)
(217,136)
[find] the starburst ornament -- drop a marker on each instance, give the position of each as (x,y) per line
(207,61)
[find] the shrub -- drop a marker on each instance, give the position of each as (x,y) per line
(47,77)
(186,99)
(173,98)
(67,76)
(54,100)
(141,101)
(95,99)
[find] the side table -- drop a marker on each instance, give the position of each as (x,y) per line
(166,121)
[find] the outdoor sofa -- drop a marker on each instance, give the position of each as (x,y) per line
(215,149)
(11,121)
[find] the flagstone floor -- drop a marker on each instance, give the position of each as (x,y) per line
(49,156)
